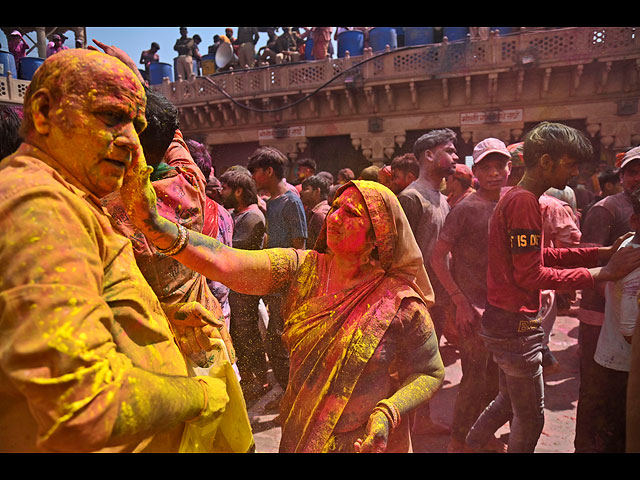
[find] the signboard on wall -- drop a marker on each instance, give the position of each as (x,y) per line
(492,116)
(281,132)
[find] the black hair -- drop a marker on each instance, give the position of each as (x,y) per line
(162,123)
(265,157)
(307,162)
(237,178)
(432,139)
(9,130)
(318,181)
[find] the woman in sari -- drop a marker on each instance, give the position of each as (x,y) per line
(362,345)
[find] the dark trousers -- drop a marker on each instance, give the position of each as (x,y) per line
(246,337)
(278,355)
(601,412)
(478,385)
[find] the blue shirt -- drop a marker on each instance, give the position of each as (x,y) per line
(285,220)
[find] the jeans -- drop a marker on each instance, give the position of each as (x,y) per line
(521,393)
(478,386)
(276,351)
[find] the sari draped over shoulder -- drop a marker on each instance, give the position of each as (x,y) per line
(332,337)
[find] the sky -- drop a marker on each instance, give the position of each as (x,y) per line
(133,40)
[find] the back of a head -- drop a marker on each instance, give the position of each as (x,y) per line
(162,123)
(345,175)
(370,173)
(556,140)
(432,139)
(201,156)
(608,175)
(10,121)
(407,163)
(265,157)
(318,181)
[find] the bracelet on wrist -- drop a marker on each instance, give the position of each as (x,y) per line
(390,410)
(203,385)
(179,244)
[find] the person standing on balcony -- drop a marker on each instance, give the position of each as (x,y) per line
(321,37)
(147,57)
(247,39)
(184,63)
(17,46)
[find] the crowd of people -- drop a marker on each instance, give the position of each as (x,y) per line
(293,44)
(164,291)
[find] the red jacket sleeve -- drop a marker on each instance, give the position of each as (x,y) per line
(524,230)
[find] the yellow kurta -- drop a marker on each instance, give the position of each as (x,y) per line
(76,315)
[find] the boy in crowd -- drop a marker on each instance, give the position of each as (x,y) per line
(465,235)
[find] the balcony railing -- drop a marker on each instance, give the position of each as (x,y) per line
(563,46)
(572,45)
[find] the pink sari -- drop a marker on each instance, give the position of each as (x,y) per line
(331,338)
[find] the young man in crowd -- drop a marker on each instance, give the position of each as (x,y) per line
(465,236)
(239,194)
(305,167)
(519,267)
(286,227)
(404,170)
(315,190)
(459,184)
(426,209)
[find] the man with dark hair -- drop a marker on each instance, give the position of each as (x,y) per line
(519,267)
(239,194)
(404,170)
(185,48)
(426,209)
(147,57)
(605,221)
(286,227)
(315,190)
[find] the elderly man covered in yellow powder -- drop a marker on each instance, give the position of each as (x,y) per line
(88,358)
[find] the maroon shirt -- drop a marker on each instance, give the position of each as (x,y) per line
(519,267)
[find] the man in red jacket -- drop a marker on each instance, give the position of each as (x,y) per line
(519,267)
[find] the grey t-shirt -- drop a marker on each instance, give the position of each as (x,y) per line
(426,209)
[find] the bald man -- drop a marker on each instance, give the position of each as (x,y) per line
(88,359)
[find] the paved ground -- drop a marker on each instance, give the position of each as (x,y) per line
(561,394)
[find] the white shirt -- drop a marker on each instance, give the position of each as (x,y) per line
(620,314)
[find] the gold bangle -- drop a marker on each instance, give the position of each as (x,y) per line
(386,413)
(179,244)
(386,405)
(201,382)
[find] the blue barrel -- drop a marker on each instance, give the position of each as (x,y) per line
(380,37)
(159,70)
(351,41)
(418,36)
(208,64)
(502,30)
(7,64)
(28,66)
(308,49)
(455,33)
